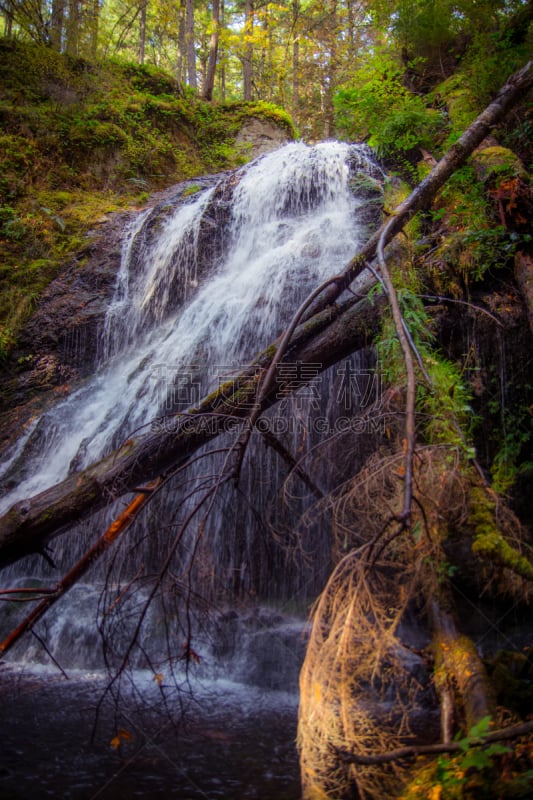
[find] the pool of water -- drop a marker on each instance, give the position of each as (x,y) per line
(68,738)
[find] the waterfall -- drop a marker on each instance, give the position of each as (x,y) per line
(203,286)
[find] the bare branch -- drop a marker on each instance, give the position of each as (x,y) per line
(413,751)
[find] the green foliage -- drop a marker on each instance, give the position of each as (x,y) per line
(421,26)
(11,226)
(150,79)
(509,463)
(377,107)
(467,774)
(474,243)
(492,57)
(453,773)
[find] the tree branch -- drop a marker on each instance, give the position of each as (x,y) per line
(412,751)
(117,527)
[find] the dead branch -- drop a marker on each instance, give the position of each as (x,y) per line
(410,432)
(117,527)
(413,751)
(294,466)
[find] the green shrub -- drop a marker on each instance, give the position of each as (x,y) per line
(378,108)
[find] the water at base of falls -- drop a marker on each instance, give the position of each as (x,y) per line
(233,742)
(221,726)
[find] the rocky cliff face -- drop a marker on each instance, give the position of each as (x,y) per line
(58,345)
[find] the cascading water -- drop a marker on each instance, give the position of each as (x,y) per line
(293,223)
(202,288)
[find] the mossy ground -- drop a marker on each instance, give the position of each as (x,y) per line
(81,140)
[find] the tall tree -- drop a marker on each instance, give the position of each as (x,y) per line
(56,24)
(247,71)
(73,27)
(295,61)
(190,42)
(7,12)
(142,30)
(209,83)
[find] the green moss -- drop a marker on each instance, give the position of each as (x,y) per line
(475,241)
(511,674)
(191,190)
(460,102)
(80,140)
(495,163)
(488,541)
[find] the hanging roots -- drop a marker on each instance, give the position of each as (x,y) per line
(367,684)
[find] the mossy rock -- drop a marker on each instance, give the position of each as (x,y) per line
(496,162)
(461,105)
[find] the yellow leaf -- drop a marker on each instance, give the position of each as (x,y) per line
(121,735)
(435,793)
(158,678)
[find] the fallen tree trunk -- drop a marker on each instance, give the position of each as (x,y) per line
(30,524)
(116,529)
(458,664)
(329,335)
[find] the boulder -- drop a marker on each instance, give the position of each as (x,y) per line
(259,136)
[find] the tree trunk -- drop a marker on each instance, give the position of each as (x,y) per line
(95,26)
(191,51)
(8,19)
(248,51)
(213,53)
(458,664)
(56,27)
(73,24)
(29,524)
(181,61)
(142,31)
(295,62)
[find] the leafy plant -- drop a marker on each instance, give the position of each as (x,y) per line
(453,773)
(378,107)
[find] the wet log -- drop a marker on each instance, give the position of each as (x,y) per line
(460,666)
(30,524)
(116,529)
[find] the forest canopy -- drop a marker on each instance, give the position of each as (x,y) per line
(297,54)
